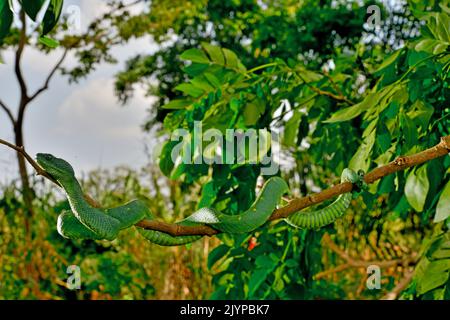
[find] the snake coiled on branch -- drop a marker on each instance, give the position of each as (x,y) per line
(87,222)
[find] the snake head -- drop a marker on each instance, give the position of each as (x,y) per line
(348,175)
(356,178)
(56,167)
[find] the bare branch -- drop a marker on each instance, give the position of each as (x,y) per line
(33,163)
(19,52)
(336,97)
(50,76)
(401,285)
(8,112)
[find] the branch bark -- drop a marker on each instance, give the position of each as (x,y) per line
(49,77)
(19,52)
(401,163)
(401,285)
(8,112)
(28,193)
(30,160)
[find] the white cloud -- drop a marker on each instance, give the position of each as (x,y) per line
(83,123)
(97,127)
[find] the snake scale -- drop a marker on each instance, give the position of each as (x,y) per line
(87,222)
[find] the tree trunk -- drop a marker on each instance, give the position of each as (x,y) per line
(27,191)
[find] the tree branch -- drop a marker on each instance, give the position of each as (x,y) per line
(8,112)
(401,163)
(355,263)
(50,76)
(401,285)
(336,97)
(295,205)
(33,163)
(21,46)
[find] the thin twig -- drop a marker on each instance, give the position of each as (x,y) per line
(50,76)
(401,285)
(21,46)
(33,163)
(8,112)
(325,93)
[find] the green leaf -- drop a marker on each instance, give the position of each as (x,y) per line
(266,261)
(189,89)
(216,254)
(308,75)
(361,159)
(431,46)
(214,52)
(435,275)
(369,102)
(6,19)
(387,62)
(194,55)
(212,79)
(442,27)
(51,16)
(443,206)
(49,42)
(177,104)
(257,279)
(194,69)
(347,113)
(202,83)
(209,195)
(265,266)
(231,59)
(409,132)
(178,171)
(32,7)
(165,159)
(291,128)
(421,113)
(251,114)
(416,188)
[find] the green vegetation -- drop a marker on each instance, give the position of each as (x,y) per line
(339,95)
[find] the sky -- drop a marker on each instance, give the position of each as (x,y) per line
(83,123)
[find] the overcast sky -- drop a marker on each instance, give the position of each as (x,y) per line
(83,123)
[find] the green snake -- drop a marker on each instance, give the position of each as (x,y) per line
(87,222)
(319,218)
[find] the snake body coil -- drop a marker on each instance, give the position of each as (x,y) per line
(327,215)
(87,222)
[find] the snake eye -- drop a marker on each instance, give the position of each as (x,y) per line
(361,173)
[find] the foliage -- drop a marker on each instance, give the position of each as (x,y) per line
(256,33)
(128,268)
(293,67)
(403,112)
(31,8)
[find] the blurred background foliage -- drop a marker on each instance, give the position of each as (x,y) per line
(127,268)
(339,92)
